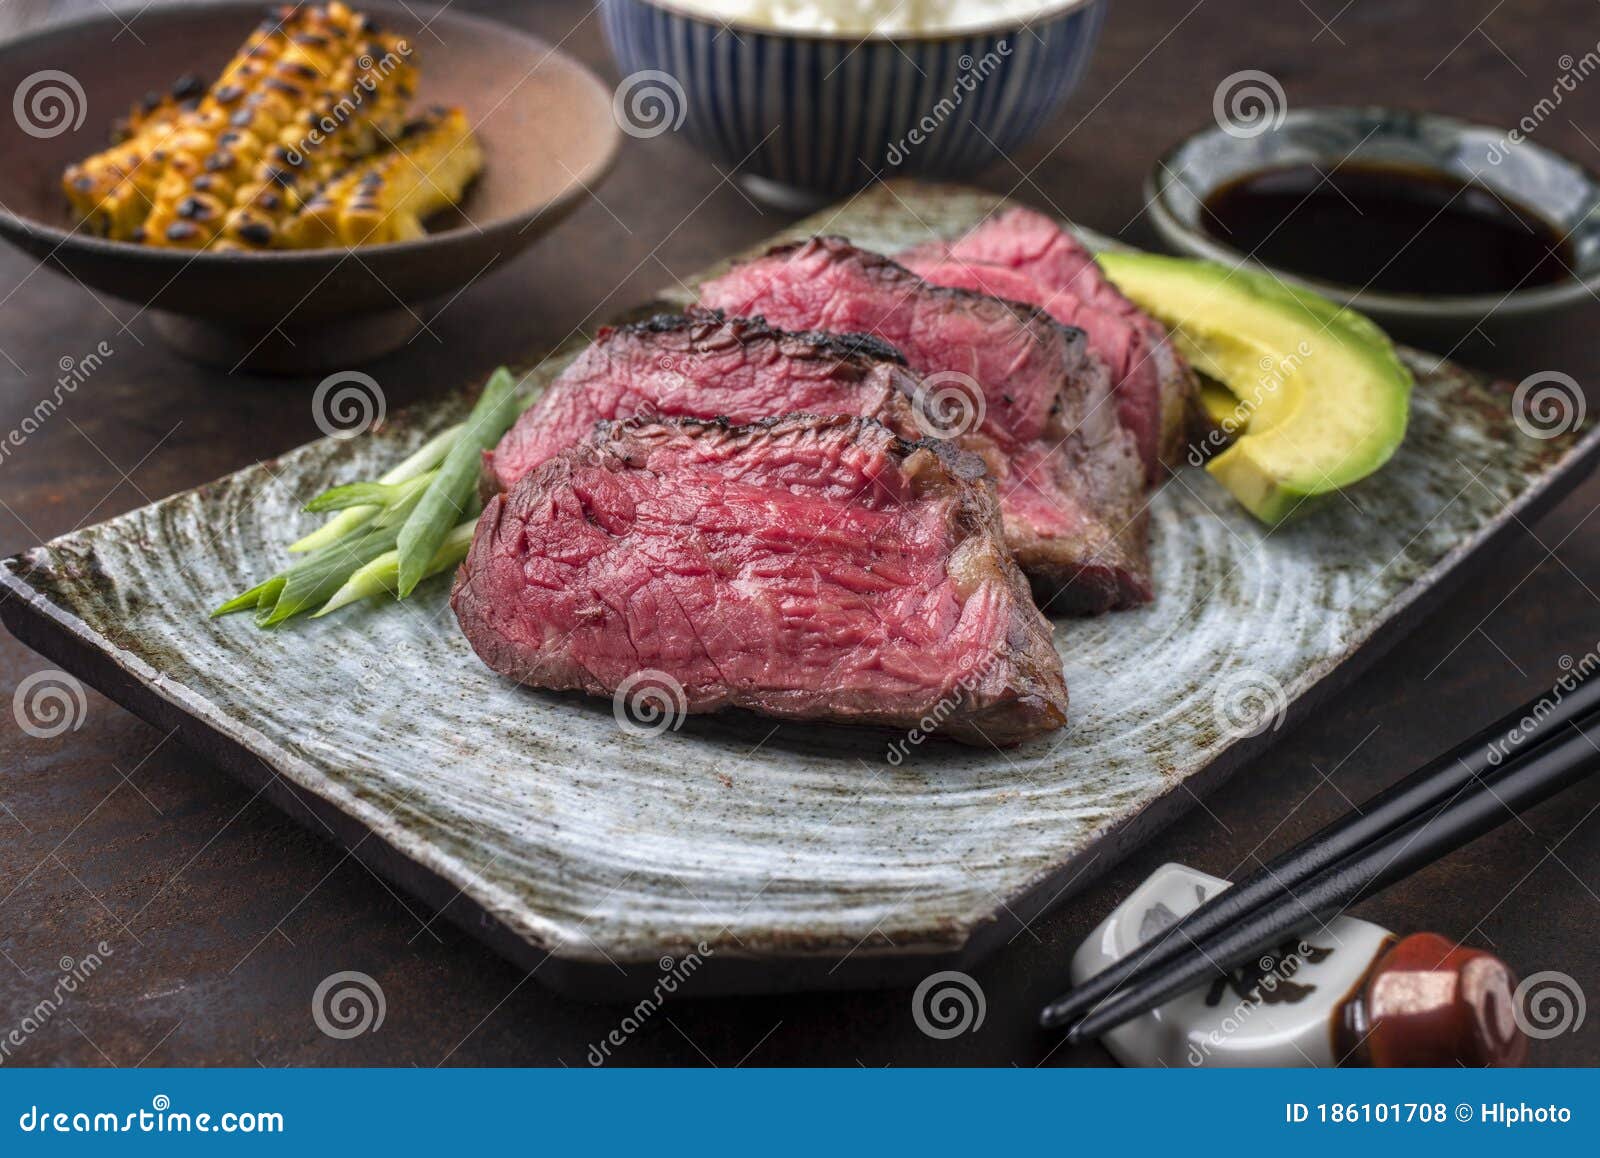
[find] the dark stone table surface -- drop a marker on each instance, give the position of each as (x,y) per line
(224,915)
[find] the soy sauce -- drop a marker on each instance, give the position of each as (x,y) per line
(1393,228)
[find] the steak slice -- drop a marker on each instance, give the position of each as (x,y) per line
(703,365)
(808,568)
(1026,256)
(1070,480)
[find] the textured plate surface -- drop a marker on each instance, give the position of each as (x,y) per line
(801,855)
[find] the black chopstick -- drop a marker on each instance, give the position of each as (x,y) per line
(1527,779)
(1435,782)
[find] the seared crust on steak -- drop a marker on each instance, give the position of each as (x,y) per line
(1070,480)
(704,365)
(1022,254)
(696,319)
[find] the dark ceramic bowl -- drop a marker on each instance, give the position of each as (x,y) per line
(544,121)
(809,117)
(1561,191)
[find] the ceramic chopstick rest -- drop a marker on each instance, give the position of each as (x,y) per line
(1349,992)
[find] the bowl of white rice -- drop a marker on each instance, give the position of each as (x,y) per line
(810,100)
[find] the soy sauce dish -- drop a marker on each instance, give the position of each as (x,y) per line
(1431,226)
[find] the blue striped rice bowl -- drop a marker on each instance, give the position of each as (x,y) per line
(828,113)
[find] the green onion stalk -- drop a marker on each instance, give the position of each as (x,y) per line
(387,535)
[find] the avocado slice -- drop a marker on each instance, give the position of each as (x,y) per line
(1321,396)
(1220,411)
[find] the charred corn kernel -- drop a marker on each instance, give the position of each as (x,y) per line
(159,108)
(111,192)
(114,192)
(387,196)
(315,89)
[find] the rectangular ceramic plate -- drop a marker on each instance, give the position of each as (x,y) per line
(799,854)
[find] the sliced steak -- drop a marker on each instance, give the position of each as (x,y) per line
(1028,257)
(1070,480)
(703,365)
(807,568)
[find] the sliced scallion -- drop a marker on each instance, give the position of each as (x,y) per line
(382,575)
(450,495)
(429,455)
(252,598)
(310,582)
(424,508)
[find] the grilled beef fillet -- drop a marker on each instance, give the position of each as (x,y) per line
(808,568)
(705,366)
(1027,257)
(1070,480)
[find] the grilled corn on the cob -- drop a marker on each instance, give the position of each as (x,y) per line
(311,92)
(302,141)
(114,192)
(111,192)
(387,197)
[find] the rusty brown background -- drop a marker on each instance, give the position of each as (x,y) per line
(224,915)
